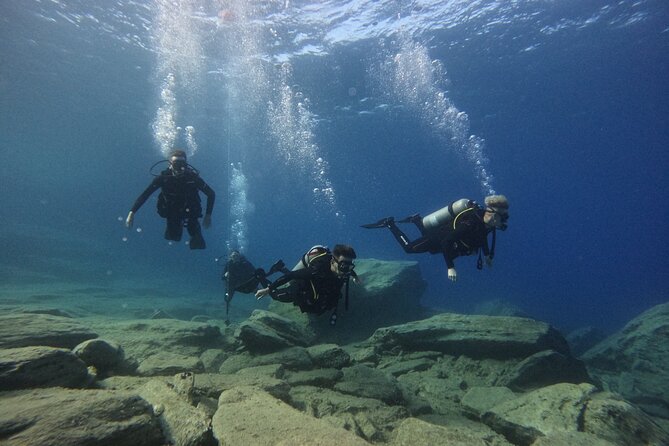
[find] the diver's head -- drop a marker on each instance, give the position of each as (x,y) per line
(497,211)
(342,260)
(234,255)
(178,162)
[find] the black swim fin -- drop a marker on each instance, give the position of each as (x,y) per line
(410,219)
(383,223)
(279,266)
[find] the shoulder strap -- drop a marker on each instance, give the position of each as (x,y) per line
(455,220)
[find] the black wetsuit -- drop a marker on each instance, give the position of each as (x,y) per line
(240,275)
(179,204)
(462,239)
(315,289)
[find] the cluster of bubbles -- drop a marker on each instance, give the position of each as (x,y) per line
(178,43)
(413,79)
(191,144)
(177,40)
(165,130)
(292,124)
(164,125)
(239,208)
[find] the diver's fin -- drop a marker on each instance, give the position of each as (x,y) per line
(384,222)
(277,267)
(410,219)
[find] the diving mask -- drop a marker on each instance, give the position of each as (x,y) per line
(178,165)
(345,267)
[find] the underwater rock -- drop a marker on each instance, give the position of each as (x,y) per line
(583,339)
(415,432)
(324,378)
(545,368)
(104,355)
(77,418)
(635,361)
(572,408)
(404,366)
(27,367)
(30,329)
(294,358)
(167,363)
(211,385)
(474,336)
(390,294)
(267,332)
(182,424)
(329,356)
(248,416)
(145,338)
(479,399)
(212,359)
(369,418)
(367,382)
(571,439)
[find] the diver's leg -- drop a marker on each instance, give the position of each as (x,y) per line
(174,228)
(406,244)
(196,239)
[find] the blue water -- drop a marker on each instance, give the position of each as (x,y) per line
(568,101)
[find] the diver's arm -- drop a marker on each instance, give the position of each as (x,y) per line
(209,192)
(211,197)
(300,274)
(155,185)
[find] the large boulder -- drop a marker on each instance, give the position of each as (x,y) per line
(29,329)
(183,424)
(368,418)
(294,358)
(105,356)
(22,368)
(367,382)
(474,336)
(546,368)
(77,418)
(168,363)
(211,385)
(266,332)
(573,408)
(415,432)
(390,294)
(247,415)
(142,339)
(634,362)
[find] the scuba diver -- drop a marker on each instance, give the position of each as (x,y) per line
(315,284)
(459,229)
(179,200)
(241,276)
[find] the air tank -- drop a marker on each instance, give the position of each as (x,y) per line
(446,214)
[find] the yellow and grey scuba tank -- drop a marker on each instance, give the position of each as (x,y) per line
(447,214)
(315,252)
